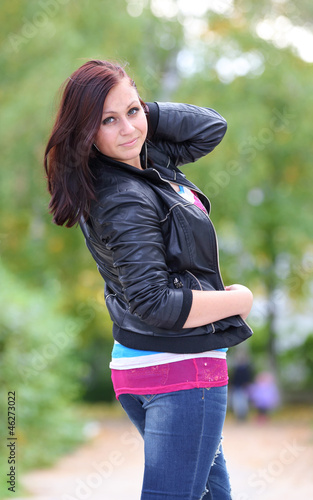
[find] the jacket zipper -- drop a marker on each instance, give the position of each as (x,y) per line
(218,266)
(215,236)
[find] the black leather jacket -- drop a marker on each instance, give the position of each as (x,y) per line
(153,247)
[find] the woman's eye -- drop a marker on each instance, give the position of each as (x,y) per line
(108,120)
(133,111)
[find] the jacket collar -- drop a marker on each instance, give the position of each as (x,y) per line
(156,173)
(151,169)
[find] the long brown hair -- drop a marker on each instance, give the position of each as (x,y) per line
(71,142)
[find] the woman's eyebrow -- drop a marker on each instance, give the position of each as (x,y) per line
(114,112)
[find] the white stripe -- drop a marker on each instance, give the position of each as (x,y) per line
(160,359)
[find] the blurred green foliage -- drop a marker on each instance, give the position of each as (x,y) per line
(38,363)
(55,337)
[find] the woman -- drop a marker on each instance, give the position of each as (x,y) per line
(112,166)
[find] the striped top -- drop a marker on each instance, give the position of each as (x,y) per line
(149,372)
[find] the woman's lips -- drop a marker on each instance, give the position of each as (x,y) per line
(130,143)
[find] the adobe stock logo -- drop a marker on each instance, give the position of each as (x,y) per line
(39,23)
(248,150)
(85,487)
(264,477)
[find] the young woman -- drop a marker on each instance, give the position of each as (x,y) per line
(112,166)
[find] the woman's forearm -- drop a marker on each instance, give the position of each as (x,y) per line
(210,306)
(186,132)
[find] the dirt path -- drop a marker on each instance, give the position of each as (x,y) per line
(267,461)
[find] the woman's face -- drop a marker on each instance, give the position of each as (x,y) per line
(124,127)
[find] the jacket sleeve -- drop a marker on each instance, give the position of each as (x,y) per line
(130,230)
(183,131)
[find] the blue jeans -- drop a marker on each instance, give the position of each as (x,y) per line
(182,434)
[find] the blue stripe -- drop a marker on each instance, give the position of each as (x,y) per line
(120,351)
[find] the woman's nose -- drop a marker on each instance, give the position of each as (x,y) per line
(126,127)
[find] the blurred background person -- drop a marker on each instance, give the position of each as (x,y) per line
(242,376)
(264,394)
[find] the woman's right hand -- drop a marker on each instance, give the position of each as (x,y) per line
(210,306)
(246,298)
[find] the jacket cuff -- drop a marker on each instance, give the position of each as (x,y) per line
(186,306)
(153,117)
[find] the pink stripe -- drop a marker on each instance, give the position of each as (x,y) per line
(162,390)
(170,377)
